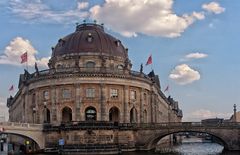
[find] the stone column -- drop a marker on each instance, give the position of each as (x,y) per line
(26,111)
(155,108)
(152,107)
(141,105)
(121,114)
(77,102)
(103,114)
(53,114)
(126,100)
(37,104)
(58,101)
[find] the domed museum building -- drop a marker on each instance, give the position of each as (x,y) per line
(89,93)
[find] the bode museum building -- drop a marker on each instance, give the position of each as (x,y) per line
(89,96)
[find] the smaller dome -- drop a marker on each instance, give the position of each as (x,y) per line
(89,39)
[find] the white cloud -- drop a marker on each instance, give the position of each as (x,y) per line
(213,7)
(195,55)
(205,114)
(18,46)
(183,74)
(155,17)
(37,11)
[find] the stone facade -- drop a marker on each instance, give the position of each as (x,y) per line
(90,80)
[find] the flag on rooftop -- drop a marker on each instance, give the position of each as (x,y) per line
(24,57)
(11,88)
(149,61)
(166,89)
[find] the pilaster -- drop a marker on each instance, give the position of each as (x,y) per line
(126,101)
(77,102)
(53,104)
(141,105)
(103,113)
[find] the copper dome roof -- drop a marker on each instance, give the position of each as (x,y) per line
(89,39)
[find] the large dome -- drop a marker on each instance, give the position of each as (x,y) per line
(89,39)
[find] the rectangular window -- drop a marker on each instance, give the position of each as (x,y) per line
(45,95)
(90,92)
(114,93)
(133,95)
(66,93)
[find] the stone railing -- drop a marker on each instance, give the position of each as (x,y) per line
(24,125)
(87,70)
(136,126)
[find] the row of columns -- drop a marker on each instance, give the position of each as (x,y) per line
(124,117)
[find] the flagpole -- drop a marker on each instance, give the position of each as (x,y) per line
(152,63)
(27,64)
(27,61)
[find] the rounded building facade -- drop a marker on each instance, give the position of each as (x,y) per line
(90,80)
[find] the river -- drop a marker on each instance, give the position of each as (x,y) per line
(191,148)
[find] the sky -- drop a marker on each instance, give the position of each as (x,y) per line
(194,44)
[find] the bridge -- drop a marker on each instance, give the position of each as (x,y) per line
(145,136)
(30,131)
(148,135)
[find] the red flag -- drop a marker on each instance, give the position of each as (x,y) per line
(166,89)
(24,57)
(149,61)
(11,88)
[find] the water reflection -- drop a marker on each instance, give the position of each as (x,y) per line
(191,148)
(188,148)
(198,148)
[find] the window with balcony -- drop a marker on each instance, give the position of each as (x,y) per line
(90,64)
(66,93)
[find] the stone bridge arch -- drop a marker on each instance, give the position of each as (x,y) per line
(146,139)
(36,141)
(152,141)
(31,131)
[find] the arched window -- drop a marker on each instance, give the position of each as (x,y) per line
(89,38)
(114,114)
(48,118)
(59,66)
(90,64)
(133,115)
(46,115)
(66,114)
(90,114)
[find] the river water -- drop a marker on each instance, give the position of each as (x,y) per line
(193,148)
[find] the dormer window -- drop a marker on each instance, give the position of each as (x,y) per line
(120,67)
(117,43)
(89,38)
(90,64)
(61,42)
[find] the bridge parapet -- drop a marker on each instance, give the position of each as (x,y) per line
(24,125)
(172,125)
